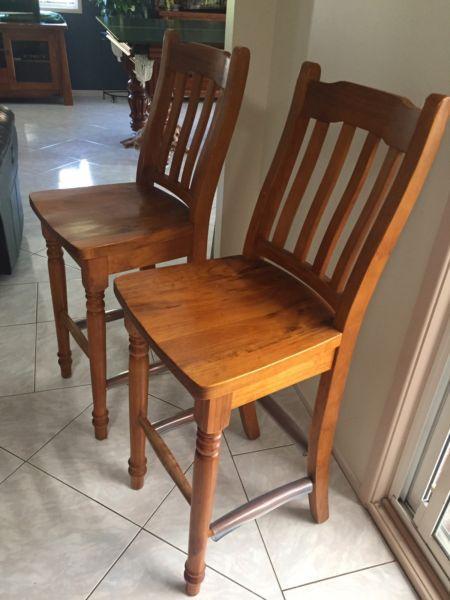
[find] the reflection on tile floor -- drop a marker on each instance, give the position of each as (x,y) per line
(70,526)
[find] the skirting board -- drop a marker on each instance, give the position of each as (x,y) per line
(90,93)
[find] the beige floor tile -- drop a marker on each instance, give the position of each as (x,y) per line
(271,433)
(55,542)
(29,421)
(18,304)
(386,582)
(17,344)
(100,469)
(302,551)
(152,569)
(8,464)
(166,386)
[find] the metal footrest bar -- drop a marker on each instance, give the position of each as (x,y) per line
(187,416)
(166,457)
(77,334)
(285,421)
(156,367)
(259,506)
(110,315)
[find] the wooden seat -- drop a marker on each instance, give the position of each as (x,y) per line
(175,307)
(237,329)
(111,220)
(163,216)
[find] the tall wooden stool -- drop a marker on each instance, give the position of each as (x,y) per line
(163,216)
(234,330)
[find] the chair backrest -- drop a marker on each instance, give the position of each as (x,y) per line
(204,134)
(400,139)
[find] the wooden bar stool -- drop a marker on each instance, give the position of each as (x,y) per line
(163,216)
(234,330)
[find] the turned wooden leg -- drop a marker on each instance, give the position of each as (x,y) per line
(57,275)
(321,436)
(203,488)
(95,281)
(138,398)
(137,97)
(249,420)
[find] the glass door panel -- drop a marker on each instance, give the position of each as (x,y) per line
(3,61)
(31,61)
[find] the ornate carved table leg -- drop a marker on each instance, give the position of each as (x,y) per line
(137,97)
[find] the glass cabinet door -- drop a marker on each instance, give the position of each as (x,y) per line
(31,61)
(3,60)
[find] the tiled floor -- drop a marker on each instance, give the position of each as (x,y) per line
(70,527)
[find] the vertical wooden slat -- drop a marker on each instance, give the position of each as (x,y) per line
(198,135)
(283,162)
(324,191)
(300,183)
(376,197)
(172,121)
(186,128)
(346,204)
(152,139)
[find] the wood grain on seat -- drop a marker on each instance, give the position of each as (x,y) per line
(97,221)
(210,319)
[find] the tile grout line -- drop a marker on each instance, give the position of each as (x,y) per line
(296,587)
(164,499)
(181,550)
(12,453)
(141,528)
(82,493)
(207,565)
(268,448)
(69,387)
(257,526)
(35,338)
(59,431)
(14,471)
(166,402)
(113,564)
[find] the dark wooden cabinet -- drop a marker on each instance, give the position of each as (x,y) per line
(33,61)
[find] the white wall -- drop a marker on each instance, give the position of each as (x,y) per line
(400,46)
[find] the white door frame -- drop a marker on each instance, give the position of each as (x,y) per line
(423,341)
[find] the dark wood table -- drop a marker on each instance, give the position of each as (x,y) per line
(133,36)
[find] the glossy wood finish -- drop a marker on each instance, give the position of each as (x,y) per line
(182,327)
(114,221)
(57,276)
(53,36)
(235,329)
(118,227)
(138,385)
(206,465)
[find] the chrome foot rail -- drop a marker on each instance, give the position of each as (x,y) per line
(259,506)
